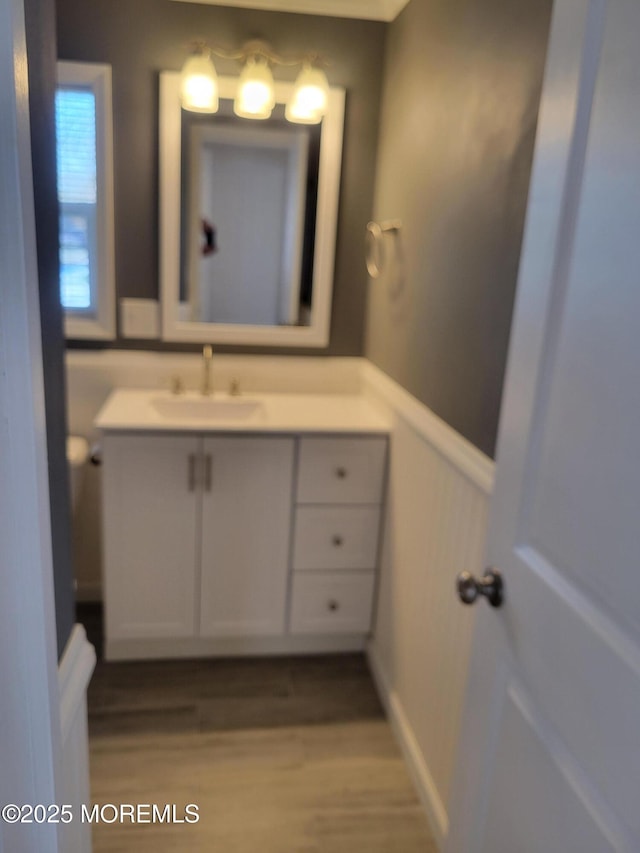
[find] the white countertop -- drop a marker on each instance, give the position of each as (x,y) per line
(152,411)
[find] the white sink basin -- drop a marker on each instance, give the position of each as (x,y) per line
(208,408)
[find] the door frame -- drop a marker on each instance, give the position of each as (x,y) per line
(30,738)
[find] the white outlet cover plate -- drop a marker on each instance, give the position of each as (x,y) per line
(139,318)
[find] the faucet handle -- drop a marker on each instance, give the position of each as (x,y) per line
(177,385)
(207,363)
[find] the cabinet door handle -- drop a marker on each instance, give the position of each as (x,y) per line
(191,472)
(333,605)
(341,473)
(208,472)
(337,541)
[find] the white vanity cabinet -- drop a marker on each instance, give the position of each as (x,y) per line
(248,543)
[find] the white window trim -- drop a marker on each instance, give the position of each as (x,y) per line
(103,325)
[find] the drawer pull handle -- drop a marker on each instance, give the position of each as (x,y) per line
(208,479)
(191,472)
(337,541)
(341,473)
(333,605)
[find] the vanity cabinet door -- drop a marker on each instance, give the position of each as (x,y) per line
(246,520)
(150,524)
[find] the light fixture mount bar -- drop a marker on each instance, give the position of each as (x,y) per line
(259,48)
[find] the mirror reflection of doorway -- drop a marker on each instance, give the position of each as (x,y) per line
(249,187)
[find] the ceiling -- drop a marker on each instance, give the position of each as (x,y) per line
(372,10)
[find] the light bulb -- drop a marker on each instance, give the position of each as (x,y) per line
(310,96)
(199,84)
(256,96)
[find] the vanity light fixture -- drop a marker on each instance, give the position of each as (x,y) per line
(255,97)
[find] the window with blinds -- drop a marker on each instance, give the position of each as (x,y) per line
(85,198)
(77,196)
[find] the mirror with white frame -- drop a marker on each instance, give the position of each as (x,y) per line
(248,216)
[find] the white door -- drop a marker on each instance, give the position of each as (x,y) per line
(246,523)
(30,733)
(549,758)
(150,524)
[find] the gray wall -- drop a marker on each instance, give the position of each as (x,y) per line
(41,52)
(141,38)
(460,101)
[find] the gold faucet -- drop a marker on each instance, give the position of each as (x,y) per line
(207,359)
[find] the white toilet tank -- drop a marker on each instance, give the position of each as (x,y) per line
(77,455)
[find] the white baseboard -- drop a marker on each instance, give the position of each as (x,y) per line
(233,647)
(74,673)
(422,779)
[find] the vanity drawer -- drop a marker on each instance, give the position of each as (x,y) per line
(341,537)
(332,603)
(341,470)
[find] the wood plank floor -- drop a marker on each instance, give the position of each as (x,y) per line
(281,756)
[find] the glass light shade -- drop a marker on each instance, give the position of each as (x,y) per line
(199,84)
(256,95)
(310,97)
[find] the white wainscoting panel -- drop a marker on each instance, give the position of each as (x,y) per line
(439,488)
(74,673)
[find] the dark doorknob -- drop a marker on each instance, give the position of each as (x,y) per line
(491,586)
